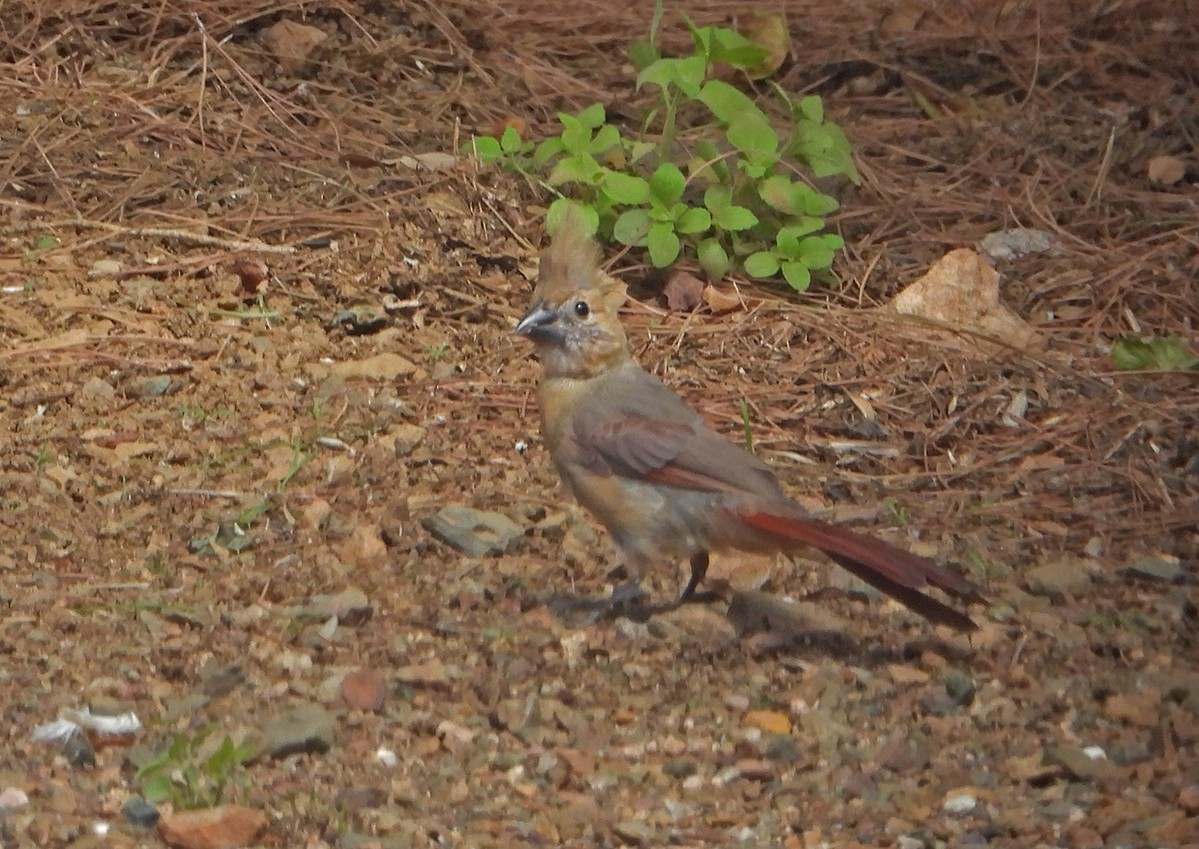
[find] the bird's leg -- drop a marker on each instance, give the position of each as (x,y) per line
(625,595)
(699,568)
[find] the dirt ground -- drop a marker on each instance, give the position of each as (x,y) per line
(215,491)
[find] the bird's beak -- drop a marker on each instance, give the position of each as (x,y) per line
(539,323)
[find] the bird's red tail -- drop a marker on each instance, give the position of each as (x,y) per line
(898,573)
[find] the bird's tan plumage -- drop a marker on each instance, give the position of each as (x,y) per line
(664,484)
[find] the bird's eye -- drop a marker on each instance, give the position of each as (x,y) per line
(582,309)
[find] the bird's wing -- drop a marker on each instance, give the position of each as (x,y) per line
(654,436)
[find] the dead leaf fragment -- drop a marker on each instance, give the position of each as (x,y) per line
(251,277)
(770,721)
(387,366)
(431,673)
(903,19)
(1166,170)
(225,827)
(496,128)
(291,43)
(961,290)
(770,33)
(684,291)
(719,301)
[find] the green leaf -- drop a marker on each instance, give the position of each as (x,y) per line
(578,168)
(592,117)
(691,71)
(799,227)
(729,104)
(588,216)
(825,149)
(663,245)
(734,218)
(643,53)
(157,789)
(762,264)
(693,220)
(661,73)
(486,148)
(510,140)
(1156,353)
(717,198)
(641,149)
(687,74)
(626,189)
(750,135)
(547,150)
(812,108)
(710,155)
(788,244)
(221,761)
(780,192)
(815,252)
(607,138)
(798,275)
(816,203)
(632,227)
(575,137)
(732,48)
(713,259)
(701,36)
(667,183)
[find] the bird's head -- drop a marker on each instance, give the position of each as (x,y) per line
(573,320)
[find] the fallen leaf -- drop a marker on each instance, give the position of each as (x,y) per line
(1166,170)
(291,43)
(386,366)
(770,721)
(770,33)
(903,18)
(251,276)
(720,301)
(684,291)
(961,290)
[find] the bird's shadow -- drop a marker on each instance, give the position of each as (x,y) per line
(765,626)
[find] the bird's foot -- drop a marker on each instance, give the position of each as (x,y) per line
(627,600)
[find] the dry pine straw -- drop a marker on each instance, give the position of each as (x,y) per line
(1028,140)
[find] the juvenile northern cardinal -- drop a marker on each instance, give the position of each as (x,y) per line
(664,484)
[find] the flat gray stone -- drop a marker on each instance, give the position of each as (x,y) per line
(306,728)
(476,533)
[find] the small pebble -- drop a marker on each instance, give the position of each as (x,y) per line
(140,812)
(960,803)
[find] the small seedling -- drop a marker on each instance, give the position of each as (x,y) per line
(191,772)
(708,174)
(743,405)
(898,512)
(1156,353)
(437,353)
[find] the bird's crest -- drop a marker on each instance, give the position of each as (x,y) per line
(571,265)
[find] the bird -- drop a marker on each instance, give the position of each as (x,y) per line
(665,485)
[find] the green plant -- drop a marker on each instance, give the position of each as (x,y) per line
(1156,353)
(898,512)
(439,352)
(193,772)
(300,459)
(707,174)
(746,427)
